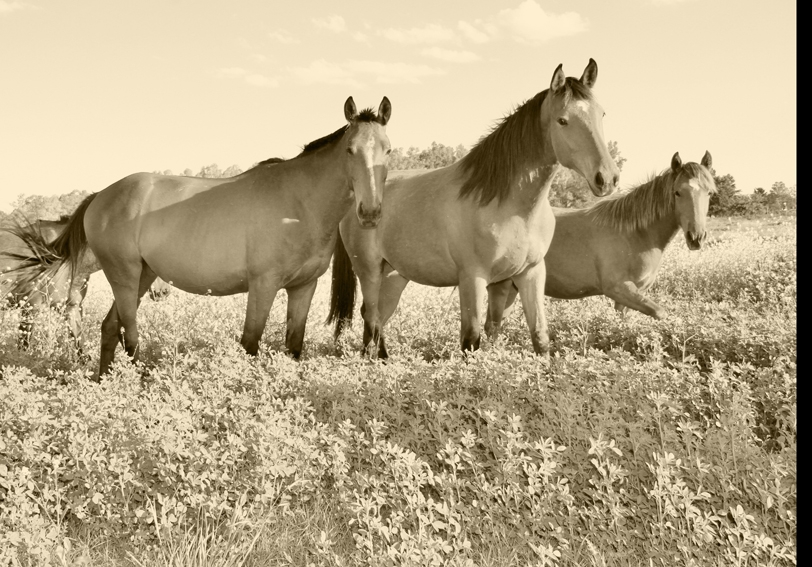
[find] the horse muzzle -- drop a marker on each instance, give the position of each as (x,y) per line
(694,239)
(602,186)
(368,218)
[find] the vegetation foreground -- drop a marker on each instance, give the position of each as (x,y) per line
(643,443)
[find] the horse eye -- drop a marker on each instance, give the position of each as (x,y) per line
(563,121)
(677,193)
(389,151)
(349,151)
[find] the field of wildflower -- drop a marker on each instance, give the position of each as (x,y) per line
(643,443)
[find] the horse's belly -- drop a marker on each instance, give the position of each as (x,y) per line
(201,268)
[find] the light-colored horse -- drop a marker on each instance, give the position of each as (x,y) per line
(17,242)
(269,228)
(615,247)
(484,219)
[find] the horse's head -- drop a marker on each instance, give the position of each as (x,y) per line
(575,121)
(367,148)
(692,187)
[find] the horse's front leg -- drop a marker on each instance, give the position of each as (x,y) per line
(472,301)
(531,289)
(261,294)
(627,294)
(500,297)
(299,299)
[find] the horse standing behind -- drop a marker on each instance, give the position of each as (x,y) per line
(17,243)
(615,247)
(271,227)
(483,219)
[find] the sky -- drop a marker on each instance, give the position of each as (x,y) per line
(94,90)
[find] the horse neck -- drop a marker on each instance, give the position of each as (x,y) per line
(326,192)
(661,230)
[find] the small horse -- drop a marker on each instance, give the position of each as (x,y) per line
(271,227)
(615,247)
(483,219)
(15,245)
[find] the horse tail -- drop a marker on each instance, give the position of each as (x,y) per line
(342,290)
(45,258)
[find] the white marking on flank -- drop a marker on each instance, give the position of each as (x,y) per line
(288,221)
(392,273)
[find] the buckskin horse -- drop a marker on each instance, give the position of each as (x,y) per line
(615,247)
(271,227)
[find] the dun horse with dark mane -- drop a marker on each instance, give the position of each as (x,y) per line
(484,219)
(269,228)
(615,246)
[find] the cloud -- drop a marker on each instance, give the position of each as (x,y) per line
(333,23)
(529,23)
(261,80)
(430,33)
(283,36)
(231,72)
(8,6)
(450,55)
(321,71)
(393,73)
(475,34)
(360,36)
(254,79)
(353,72)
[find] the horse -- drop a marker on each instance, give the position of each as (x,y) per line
(486,218)
(615,247)
(61,290)
(271,227)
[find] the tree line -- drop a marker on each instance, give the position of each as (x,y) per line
(569,189)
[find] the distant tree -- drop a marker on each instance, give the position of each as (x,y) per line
(188,172)
(781,197)
(231,171)
(725,201)
(210,171)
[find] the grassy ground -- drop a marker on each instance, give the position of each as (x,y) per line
(643,443)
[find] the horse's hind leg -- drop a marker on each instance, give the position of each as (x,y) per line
(370,279)
(392,286)
(627,294)
(261,294)
(128,288)
(26,324)
(531,289)
(472,299)
(299,299)
(500,296)
(73,314)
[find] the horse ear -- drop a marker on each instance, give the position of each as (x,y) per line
(558,79)
(706,160)
(590,74)
(676,162)
(350,111)
(384,111)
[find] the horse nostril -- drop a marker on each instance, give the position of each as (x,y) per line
(599,179)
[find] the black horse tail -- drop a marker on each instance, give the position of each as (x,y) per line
(45,258)
(342,290)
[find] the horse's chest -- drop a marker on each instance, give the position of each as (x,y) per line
(517,246)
